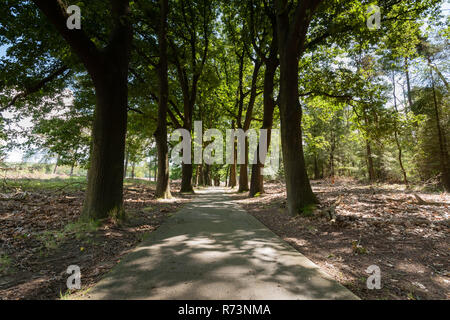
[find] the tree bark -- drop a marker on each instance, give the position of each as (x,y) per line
(207,175)
(108,69)
(243,174)
(370,168)
(71,168)
(56,165)
(162,182)
(271,63)
(232,182)
(291,41)
(445,165)
(408,84)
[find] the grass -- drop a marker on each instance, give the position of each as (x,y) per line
(52,239)
(52,184)
(308,211)
(131,182)
(82,228)
(5,263)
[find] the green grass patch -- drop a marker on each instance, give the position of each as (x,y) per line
(54,184)
(308,211)
(82,229)
(51,239)
(133,182)
(5,263)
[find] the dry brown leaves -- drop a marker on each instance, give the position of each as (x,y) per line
(388,226)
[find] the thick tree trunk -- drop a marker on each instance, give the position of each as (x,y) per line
(299,192)
(291,36)
(132,170)
(108,69)
(162,182)
(232,182)
(186,178)
(105,178)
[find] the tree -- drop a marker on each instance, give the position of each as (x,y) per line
(162,186)
(108,69)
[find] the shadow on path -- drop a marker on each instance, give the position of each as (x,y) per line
(212,249)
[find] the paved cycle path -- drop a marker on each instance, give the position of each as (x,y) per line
(213,249)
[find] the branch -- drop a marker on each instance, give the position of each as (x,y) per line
(36,87)
(87,51)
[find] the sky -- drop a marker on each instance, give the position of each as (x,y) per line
(16,155)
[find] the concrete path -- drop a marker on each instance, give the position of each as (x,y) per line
(213,249)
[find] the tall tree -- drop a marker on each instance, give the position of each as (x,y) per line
(292,25)
(162,186)
(108,68)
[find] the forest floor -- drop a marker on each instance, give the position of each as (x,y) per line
(41,236)
(403,231)
(405,235)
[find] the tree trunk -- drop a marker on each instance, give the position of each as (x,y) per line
(316,168)
(370,167)
(400,160)
(71,168)
(408,84)
(445,165)
(186,178)
(132,170)
(126,165)
(150,168)
(299,192)
(104,194)
(243,174)
(108,69)
(162,182)
(291,38)
(56,166)
(257,179)
(226,176)
(206,175)
(155,165)
(232,181)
